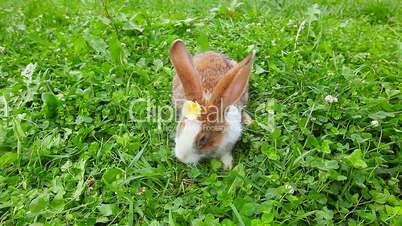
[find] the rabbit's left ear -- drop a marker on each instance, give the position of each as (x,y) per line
(183,63)
(232,85)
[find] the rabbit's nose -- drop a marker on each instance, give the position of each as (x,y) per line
(188,157)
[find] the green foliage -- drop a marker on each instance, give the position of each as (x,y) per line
(325,98)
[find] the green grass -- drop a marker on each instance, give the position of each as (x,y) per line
(70,153)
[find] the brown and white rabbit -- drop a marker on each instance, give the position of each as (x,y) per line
(220,87)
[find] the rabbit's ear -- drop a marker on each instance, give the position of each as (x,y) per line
(232,85)
(183,64)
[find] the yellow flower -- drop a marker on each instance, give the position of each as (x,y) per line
(191,110)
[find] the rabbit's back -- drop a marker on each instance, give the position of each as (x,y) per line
(211,67)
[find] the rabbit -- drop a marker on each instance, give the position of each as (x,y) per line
(219,86)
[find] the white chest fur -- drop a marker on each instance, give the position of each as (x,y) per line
(233,130)
(185,149)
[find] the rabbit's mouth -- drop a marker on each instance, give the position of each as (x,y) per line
(190,158)
(185,149)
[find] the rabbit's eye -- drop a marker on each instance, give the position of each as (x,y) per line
(202,141)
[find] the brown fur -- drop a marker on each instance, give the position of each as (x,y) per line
(211,67)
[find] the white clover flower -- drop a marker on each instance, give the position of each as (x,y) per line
(60,96)
(2,49)
(374,123)
(28,71)
(289,188)
(331,99)
(21,116)
(141,191)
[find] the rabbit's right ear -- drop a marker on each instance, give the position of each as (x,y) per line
(183,64)
(233,84)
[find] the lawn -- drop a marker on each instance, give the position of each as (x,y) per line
(324,147)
